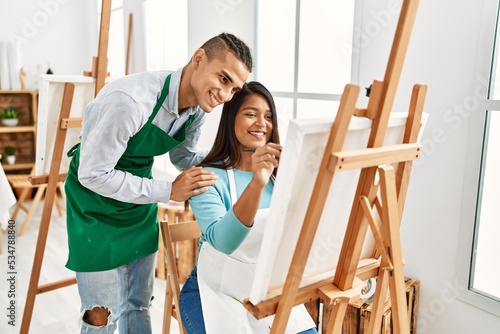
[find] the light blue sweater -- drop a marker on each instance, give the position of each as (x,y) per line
(214,211)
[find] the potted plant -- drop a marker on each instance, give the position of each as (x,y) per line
(10,152)
(9,116)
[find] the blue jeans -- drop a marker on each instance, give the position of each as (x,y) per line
(191,311)
(190,305)
(126,292)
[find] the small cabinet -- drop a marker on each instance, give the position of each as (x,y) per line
(23,135)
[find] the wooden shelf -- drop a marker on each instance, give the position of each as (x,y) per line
(22,136)
(18,166)
(18,91)
(15,129)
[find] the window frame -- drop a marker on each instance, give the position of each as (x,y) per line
(473,168)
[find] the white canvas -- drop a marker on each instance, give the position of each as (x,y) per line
(50,100)
(301,157)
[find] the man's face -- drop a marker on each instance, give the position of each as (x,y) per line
(215,82)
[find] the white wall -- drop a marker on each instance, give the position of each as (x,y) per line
(60,32)
(137,42)
(443,53)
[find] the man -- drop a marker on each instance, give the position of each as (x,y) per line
(111,196)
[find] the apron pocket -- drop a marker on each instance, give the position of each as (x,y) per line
(237,278)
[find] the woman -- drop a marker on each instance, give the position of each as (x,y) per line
(232,216)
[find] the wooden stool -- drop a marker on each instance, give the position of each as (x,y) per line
(22,181)
(175,212)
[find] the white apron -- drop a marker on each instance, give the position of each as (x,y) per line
(225,281)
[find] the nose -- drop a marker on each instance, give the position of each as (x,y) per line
(260,120)
(226,94)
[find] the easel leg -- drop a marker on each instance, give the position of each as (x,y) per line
(47,210)
(338,309)
(392,234)
(38,197)
(58,205)
(379,301)
(20,202)
(394,279)
(37,264)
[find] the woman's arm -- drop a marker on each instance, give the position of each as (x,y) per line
(264,161)
(214,214)
(225,226)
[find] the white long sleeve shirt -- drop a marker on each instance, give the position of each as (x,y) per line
(118,112)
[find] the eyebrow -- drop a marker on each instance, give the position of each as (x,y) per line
(257,109)
(224,73)
(227,75)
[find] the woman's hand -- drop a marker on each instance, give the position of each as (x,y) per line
(264,161)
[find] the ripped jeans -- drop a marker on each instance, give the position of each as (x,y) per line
(126,292)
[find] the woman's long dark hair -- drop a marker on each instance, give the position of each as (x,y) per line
(225,153)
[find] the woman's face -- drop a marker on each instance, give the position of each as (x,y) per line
(253,124)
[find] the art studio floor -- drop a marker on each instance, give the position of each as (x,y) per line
(57,311)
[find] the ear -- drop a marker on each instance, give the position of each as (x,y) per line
(198,56)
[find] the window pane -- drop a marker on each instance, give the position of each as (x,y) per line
(486,271)
(284,106)
(275,44)
(325,35)
(166,34)
(316,108)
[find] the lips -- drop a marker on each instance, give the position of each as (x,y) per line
(257,133)
(215,100)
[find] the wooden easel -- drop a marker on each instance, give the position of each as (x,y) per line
(99,72)
(348,280)
(100,63)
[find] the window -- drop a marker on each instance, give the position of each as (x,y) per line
(166,34)
(302,60)
(486,249)
(479,249)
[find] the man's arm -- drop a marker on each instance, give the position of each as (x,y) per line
(188,154)
(108,125)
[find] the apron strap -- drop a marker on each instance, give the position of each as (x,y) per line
(163,96)
(232,186)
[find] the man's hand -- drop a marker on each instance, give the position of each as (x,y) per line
(193,181)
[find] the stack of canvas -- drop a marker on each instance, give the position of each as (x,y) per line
(10,65)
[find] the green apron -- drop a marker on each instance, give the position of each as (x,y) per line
(104,233)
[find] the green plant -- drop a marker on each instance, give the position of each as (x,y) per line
(10,150)
(9,112)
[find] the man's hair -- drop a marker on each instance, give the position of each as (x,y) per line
(218,46)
